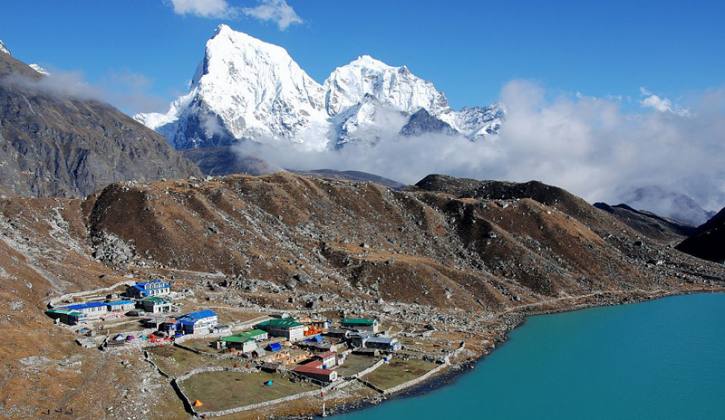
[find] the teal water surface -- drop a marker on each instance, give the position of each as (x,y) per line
(663,359)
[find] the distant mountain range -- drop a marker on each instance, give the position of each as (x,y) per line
(649,224)
(54,144)
(247,89)
(679,207)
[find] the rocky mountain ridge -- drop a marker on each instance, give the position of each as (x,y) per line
(649,224)
(708,240)
(55,144)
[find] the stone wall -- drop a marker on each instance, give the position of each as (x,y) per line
(415,381)
(53,302)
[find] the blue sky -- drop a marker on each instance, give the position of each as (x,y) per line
(469,49)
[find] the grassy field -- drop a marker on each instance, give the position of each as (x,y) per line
(224,390)
(355,363)
(109,329)
(201,345)
(176,361)
(397,372)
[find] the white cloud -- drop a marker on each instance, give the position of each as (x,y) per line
(203,8)
(70,84)
(655,102)
(126,90)
(277,11)
(591,146)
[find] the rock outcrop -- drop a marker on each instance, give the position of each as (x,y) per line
(55,142)
(708,241)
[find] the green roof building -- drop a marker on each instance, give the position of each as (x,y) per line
(156,304)
(279,323)
(364,324)
(66,316)
(244,341)
(251,335)
(288,328)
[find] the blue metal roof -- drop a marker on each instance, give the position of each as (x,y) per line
(155,283)
(196,316)
(81,306)
(121,302)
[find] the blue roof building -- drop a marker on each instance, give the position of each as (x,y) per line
(155,287)
(88,308)
(199,322)
(121,305)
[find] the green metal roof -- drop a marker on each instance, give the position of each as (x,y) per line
(358,321)
(155,299)
(279,323)
(243,337)
(63,312)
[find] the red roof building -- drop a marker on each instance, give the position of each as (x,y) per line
(328,359)
(315,370)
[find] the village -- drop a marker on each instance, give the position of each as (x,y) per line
(221,361)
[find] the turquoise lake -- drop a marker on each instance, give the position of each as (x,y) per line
(663,359)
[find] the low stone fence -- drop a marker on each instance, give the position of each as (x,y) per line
(68,296)
(158,369)
(329,388)
(428,374)
(370,385)
(187,348)
(415,381)
(184,399)
(260,405)
(176,383)
(368,370)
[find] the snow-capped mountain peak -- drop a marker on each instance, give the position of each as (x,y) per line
(39,69)
(394,86)
(4,49)
(244,88)
(247,89)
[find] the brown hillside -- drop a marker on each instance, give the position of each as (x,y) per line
(442,256)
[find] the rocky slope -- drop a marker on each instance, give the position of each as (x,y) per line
(708,241)
(357,176)
(55,144)
(224,160)
(470,248)
(246,89)
(649,224)
(449,252)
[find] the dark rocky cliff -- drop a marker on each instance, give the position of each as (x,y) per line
(708,241)
(54,144)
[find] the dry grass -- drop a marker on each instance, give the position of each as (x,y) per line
(175,361)
(355,363)
(397,372)
(204,345)
(224,390)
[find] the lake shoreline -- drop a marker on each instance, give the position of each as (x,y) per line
(457,370)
